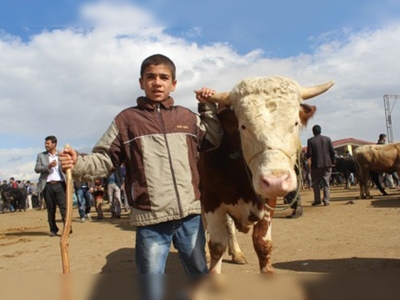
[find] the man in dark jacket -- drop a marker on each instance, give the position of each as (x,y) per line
(322,154)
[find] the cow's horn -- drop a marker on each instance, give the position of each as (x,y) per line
(221,99)
(310,92)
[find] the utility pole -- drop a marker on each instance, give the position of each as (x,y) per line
(388,115)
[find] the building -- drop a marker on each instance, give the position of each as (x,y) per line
(349,144)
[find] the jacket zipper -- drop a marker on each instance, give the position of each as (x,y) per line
(164,131)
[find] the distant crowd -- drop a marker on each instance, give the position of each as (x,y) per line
(20,195)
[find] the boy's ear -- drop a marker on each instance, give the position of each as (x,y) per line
(174,85)
(141,83)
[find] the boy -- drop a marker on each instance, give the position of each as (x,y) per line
(158,142)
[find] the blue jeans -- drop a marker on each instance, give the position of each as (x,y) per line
(152,247)
(84,201)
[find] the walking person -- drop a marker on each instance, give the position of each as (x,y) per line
(114,183)
(84,199)
(98,197)
(389,179)
(322,154)
(29,192)
(51,182)
(158,143)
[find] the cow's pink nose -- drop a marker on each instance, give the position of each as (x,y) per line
(277,186)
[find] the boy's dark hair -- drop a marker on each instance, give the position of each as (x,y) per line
(51,138)
(316,129)
(158,59)
(382,136)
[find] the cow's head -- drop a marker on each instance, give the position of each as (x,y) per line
(270,114)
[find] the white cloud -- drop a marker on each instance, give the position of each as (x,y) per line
(71,82)
(116,14)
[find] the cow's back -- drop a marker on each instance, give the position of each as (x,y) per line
(378,158)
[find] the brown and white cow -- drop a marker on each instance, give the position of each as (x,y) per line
(255,162)
(374,160)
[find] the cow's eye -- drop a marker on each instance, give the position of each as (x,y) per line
(296,124)
(243,127)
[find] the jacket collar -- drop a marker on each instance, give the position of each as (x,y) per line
(148,104)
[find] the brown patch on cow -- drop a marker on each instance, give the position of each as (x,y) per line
(216,250)
(265,258)
(253,217)
(306,112)
(239,226)
(263,247)
(220,188)
(271,206)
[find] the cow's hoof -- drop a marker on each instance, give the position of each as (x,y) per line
(239,259)
(267,270)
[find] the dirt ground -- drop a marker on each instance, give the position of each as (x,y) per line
(362,237)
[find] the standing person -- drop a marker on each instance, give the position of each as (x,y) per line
(293,198)
(124,199)
(114,183)
(51,182)
(84,199)
(305,170)
(98,197)
(29,192)
(381,139)
(158,143)
(12,183)
(322,154)
(387,178)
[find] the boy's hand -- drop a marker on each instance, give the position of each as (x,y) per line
(203,94)
(67,158)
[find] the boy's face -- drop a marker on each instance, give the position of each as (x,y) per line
(157,82)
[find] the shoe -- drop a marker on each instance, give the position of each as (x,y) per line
(299,211)
(326,203)
(53,233)
(316,203)
(82,220)
(89,217)
(293,216)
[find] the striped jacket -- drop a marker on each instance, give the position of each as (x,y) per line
(159,144)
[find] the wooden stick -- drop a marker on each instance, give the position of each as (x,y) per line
(68,218)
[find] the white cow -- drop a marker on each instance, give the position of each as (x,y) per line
(255,163)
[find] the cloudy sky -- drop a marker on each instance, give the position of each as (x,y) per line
(68,67)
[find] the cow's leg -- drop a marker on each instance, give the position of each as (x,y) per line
(218,242)
(233,245)
(262,240)
(347,179)
(205,225)
(363,182)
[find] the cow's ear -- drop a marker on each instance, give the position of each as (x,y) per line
(306,112)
